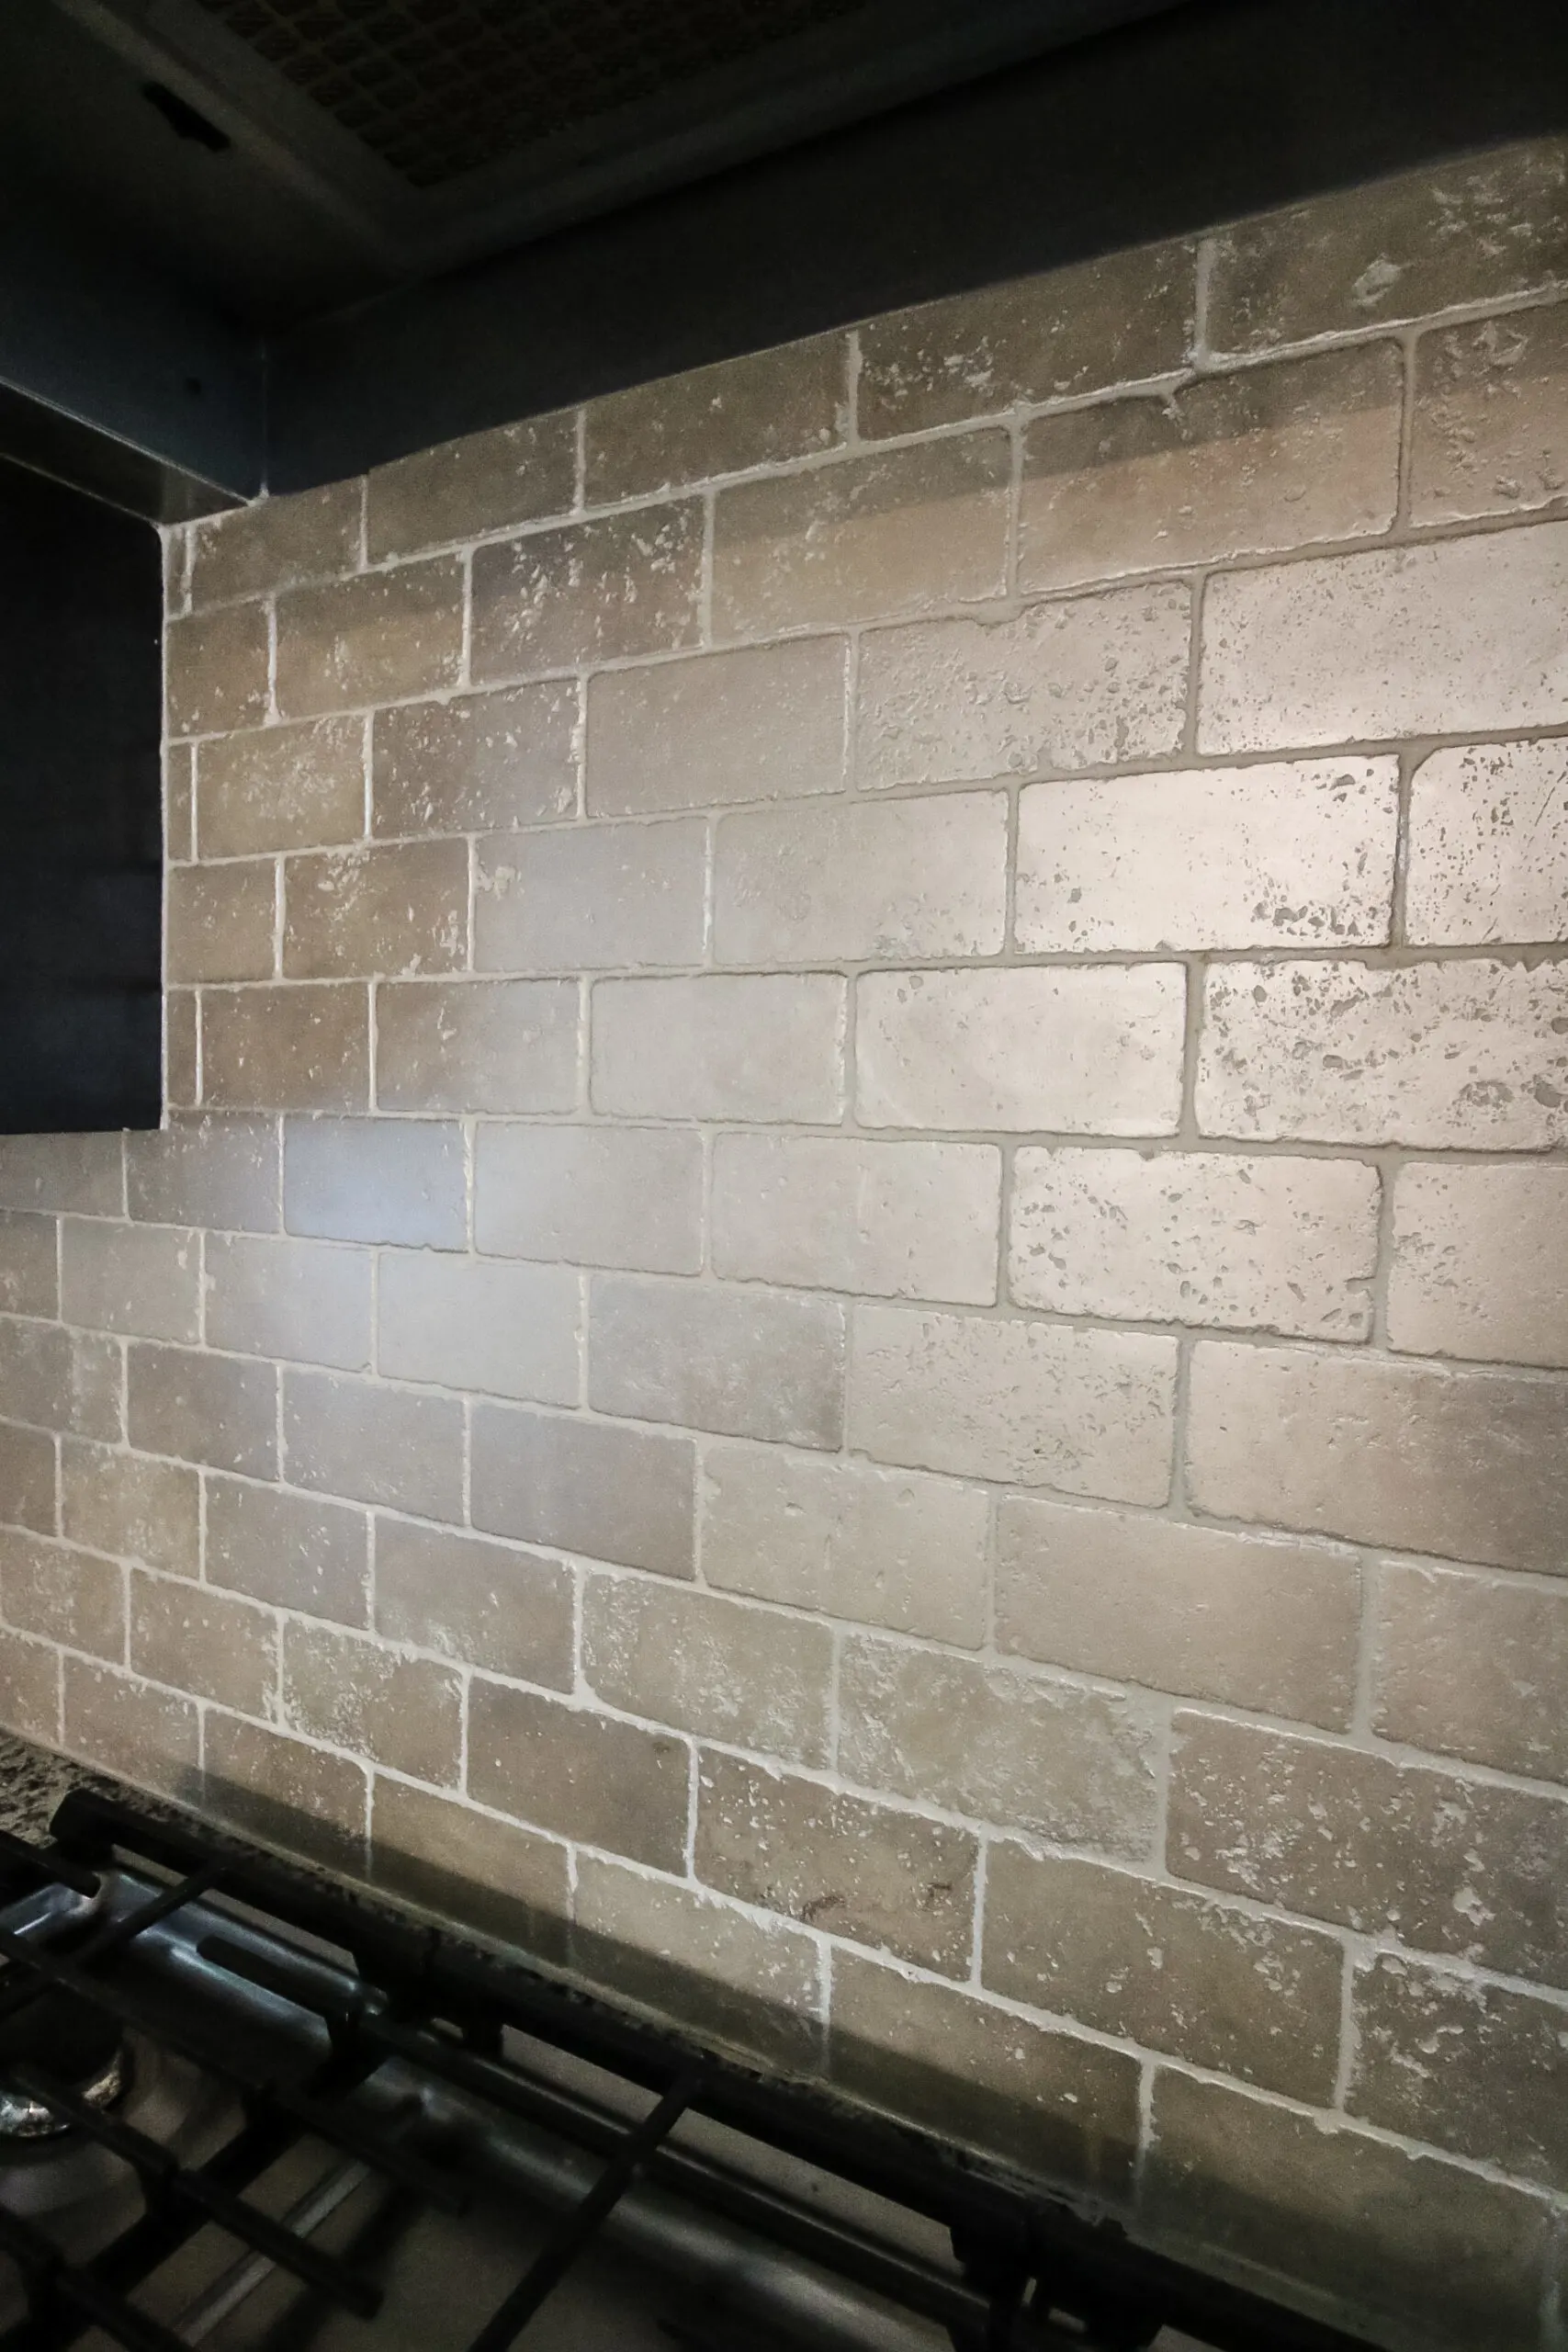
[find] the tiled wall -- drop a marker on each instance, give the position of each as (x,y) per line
(859,1291)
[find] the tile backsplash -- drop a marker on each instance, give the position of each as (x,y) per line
(854,1305)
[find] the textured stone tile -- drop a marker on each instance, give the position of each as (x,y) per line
(1079,1766)
(1489,435)
(584,1776)
(220,1411)
(712,1667)
(477,763)
(72,1172)
(896,1220)
(377,914)
(1240,857)
(1156,1965)
(220,1172)
(1452,2261)
(30,1689)
(1473,1666)
(28,1268)
(861,882)
(1475,1869)
(1268,457)
(864,539)
(1114,321)
(1454,637)
(724,1046)
(204,1642)
(1078,684)
(147,1736)
(58,1379)
(131,1506)
(466,1045)
(514,474)
(1036,1404)
(373,1444)
(1092,1052)
(179,801)
(1469,1056)
(379,638)
(299,1798)
(352,1179)
(760,722)
(275,543)
(591,592)
(285,1048)
(61,1595)
(480,1604)
(27,1479)
(1265,1243)
(593,1196)
(403,1712)
(591,896)
(838,1863)
(1488,856)
(848,1539)
(141,1279)
(1480,1262)
(182,1083)
(1257,1621)
(219,921)
(301,1300)
(1468,1464)
(759,409)
(467,1866)
(469,1323)
(587,1486)
(744,1363)
(291,1550)
(216,670)
(281,787)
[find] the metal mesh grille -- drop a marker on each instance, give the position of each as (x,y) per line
(437,87)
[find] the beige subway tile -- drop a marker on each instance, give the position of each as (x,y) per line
(715,1668)
(591,592)
(281,787)
(464,1865)
(285,1048)
(131,1505)
(1452,638)
(514,474)
(1470,1056)
(204,1642)
(1171,1969)
(1472,1666)
(182,1076)
(896,1220)
(477,1045)
(853,1868)
(1112,321)
(48,1173)
(219,921)
(741,1362)
(145,1736)
(1472,1869)
(724,1046)
(1240,857)
(1488,433)
(591,896)
(862,881)
(403,1712)
(28,1479)
(30,1689)
(1480,1263)
(1036,1404)
(1467,1465)
(1488,855)
(382,1180)
(581,1775)
(864,539)
(28,1263)
(58,1379)
(480,1604)
(305,1301)
(760,722)
(610,1494)
(759,409)
(1095,1051)
(299,1798)
(220,1411)
(595,1196)
(61,1595)
(883,1546)
(1079,1766)
(1077,684)
(1347,2223)
(374,914)
(373,1444)
(379,638)
(1256,1621)
(222,1172)
(471,1323)
(141,1279)
(275,543)
(289,1550)
(1206,1238)
(216,670)
(477,763)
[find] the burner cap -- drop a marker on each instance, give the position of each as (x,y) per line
(67,2037)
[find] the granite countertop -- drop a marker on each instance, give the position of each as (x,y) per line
(32,1783)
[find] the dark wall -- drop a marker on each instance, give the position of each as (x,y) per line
(81,824)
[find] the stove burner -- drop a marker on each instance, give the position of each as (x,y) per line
(78,2046)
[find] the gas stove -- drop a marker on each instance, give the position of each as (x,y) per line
(241,2108)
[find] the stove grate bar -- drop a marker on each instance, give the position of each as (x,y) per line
(115,1934)
(45,1857)
(50,2282)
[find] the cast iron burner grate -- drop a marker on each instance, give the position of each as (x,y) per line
(207,1949)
